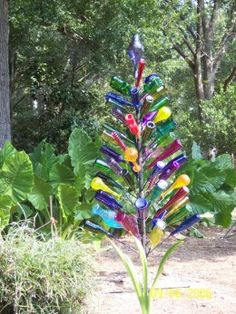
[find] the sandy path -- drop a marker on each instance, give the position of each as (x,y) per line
(208,263)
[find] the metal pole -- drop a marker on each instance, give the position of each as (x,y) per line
(141,218)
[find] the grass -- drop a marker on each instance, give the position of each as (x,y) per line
(39,276)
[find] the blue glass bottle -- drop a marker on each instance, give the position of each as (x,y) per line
(187,223)
(117,100)
(107,215)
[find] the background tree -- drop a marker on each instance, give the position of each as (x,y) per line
(63,53)
(5,129)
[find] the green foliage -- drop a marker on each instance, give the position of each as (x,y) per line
(16,176)
(218,127)
(62,55)
(212,186)
(5,207)
(63,59)
(164,259)
(40,193)
(28,182)
(38,276)
(219,120)
(142,290)
(81,151)
(68,199)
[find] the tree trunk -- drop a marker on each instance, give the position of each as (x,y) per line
(5,125)
(197,47)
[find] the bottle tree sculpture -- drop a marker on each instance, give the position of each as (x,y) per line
(136,185)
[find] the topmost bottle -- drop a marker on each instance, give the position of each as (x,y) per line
(152,83)
(120,85)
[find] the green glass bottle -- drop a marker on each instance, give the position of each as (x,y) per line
(158,189)
(102,165)
(147,103)
(179,216)
(120,85)
(153,85)
(160,102)
(159,92)
(165,128)
(128,179)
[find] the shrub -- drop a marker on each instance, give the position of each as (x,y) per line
(38,276)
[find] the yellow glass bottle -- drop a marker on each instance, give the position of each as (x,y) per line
(131,155)
(157,233)
(98,184)
(182,180)
(163,114)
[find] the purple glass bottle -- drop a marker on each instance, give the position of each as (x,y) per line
(181,159)
(141,205)
(119,114)
(148,117)
(113,164)
(109,152)
(166,173)
(107,200)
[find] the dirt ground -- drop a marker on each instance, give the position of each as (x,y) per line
(199,278)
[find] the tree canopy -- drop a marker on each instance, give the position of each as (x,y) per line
(62,54)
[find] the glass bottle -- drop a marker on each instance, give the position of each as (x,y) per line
(107,215)
(120,85)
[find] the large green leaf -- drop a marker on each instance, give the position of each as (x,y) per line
(82,151)
(207,179)
(5,207)
(60,173)
(7,151)
(223,204)
(220,203)
(230,177)
(16,176)
(223,162)
(215,176)
(82,214)
(68,199)
(201,184)
(40,193)
(43,159)
(223,219)
(200,203)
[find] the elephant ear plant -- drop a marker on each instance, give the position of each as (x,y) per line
(44,185)
(137,189)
